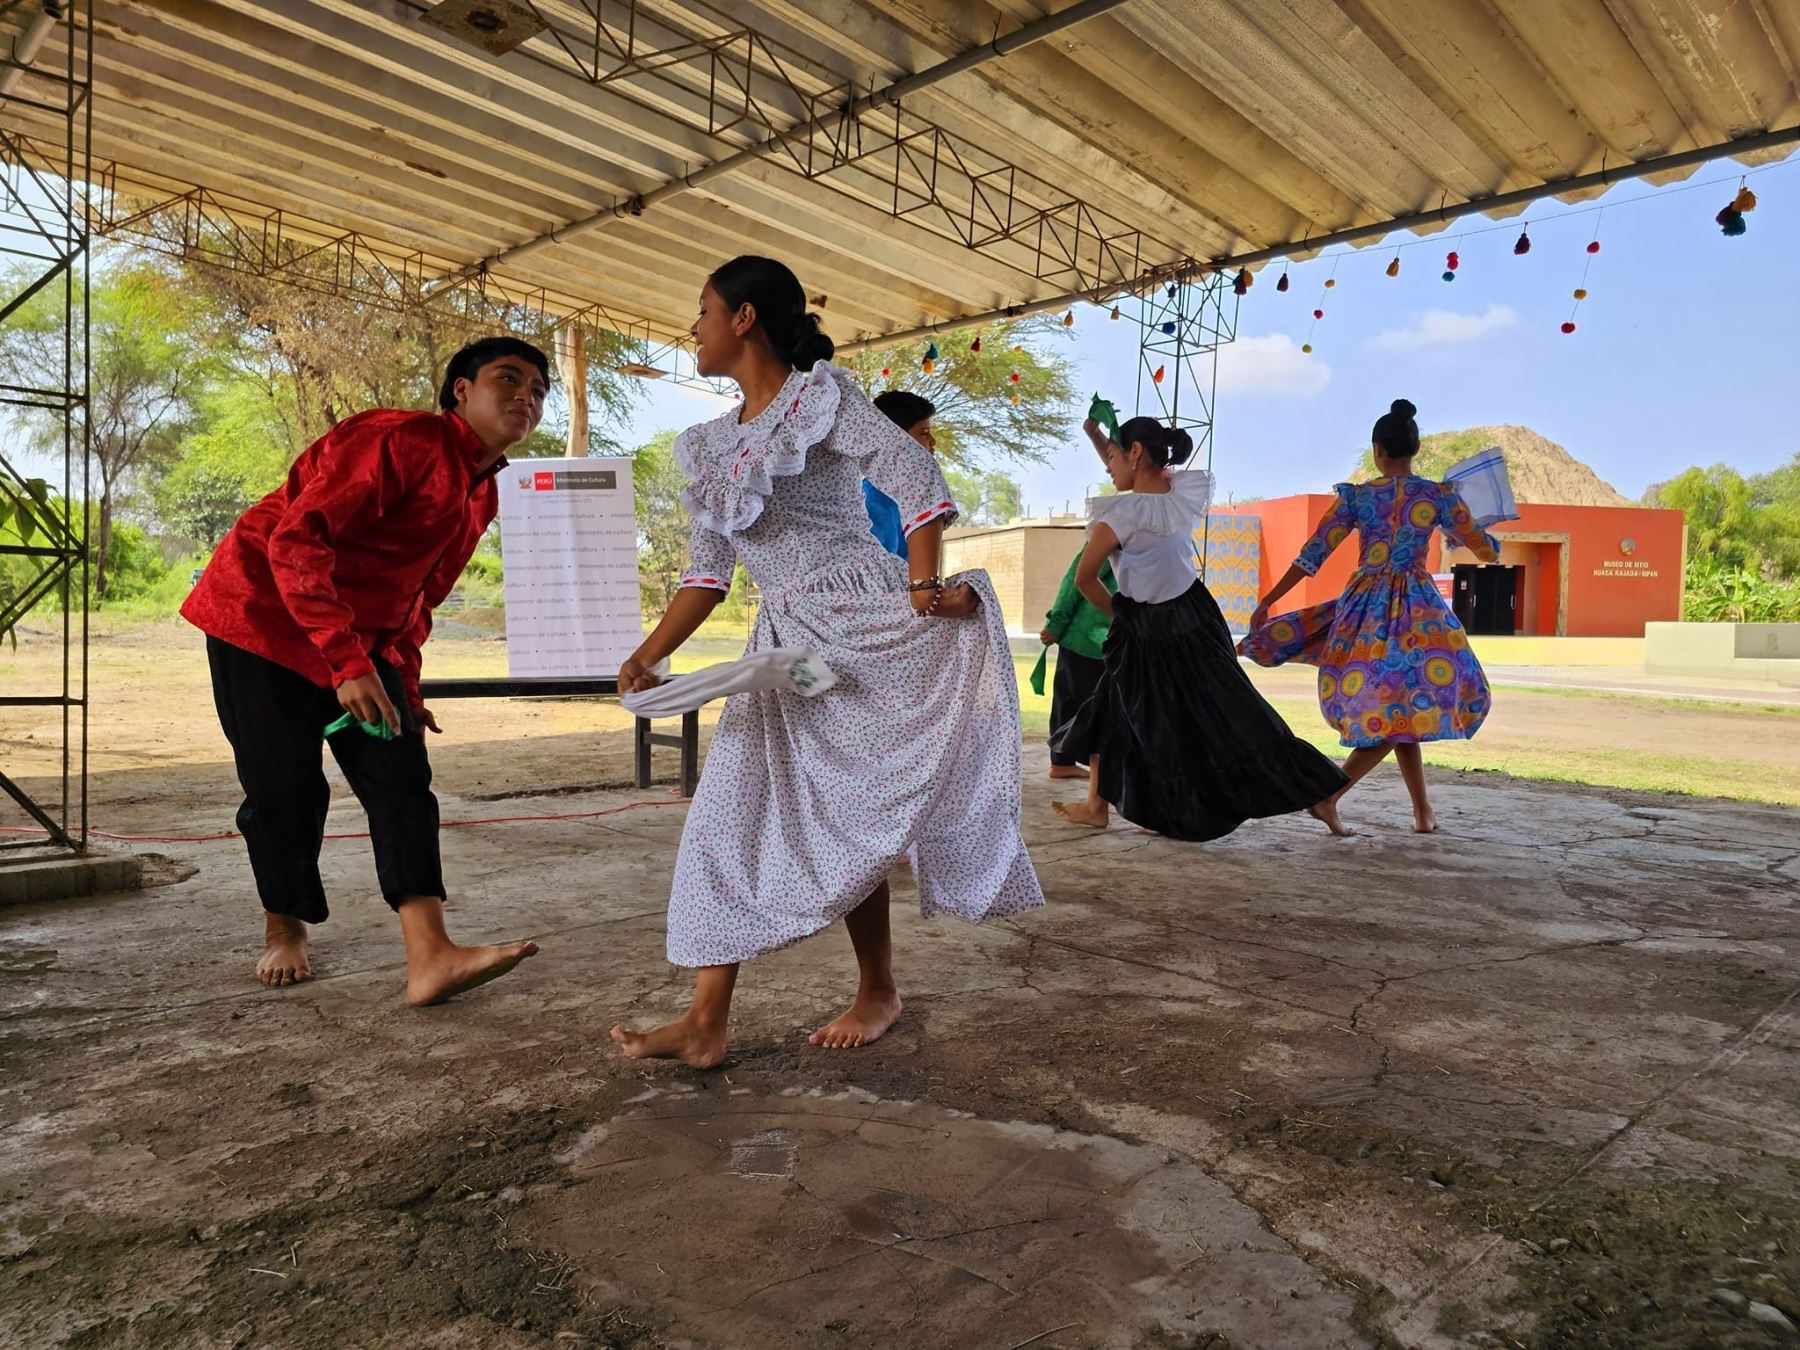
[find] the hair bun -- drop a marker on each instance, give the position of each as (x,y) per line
(810,344)
(1403,408)
(1181,446)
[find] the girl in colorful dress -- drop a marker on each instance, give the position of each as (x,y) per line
(1395,667)
(1175,734)
(806,805)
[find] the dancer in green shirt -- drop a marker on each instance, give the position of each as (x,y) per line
(1080,630)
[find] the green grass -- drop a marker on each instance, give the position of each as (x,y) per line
(1671,703)
(1633,767)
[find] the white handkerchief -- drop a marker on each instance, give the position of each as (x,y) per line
(796,670)
(1482,482)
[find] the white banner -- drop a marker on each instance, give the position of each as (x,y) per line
(568,539)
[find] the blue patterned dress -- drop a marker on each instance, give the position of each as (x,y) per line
(1394,663)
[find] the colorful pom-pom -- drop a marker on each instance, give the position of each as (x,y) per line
(1306,347)
(1594,246)
(1014,377)
(1568,327)
(1169,327)
(1282,285)
(975,346)
(1731,221)
(885,372)
(1523,243)
(1581,292)
(1744,201)
(1157,378)
(1242,283)
(1449,276)
(1318,314)
(1330,282)
(1069,319)
(928,365)
(1454,261)
(1393,268)
(1115,311)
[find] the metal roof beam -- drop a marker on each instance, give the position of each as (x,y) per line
(818,124)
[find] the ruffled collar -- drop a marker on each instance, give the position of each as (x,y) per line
(1171,512)
(732,466)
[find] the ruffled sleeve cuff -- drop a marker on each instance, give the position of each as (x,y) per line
(705,581)
(944,510)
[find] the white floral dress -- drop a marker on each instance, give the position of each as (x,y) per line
(806,805)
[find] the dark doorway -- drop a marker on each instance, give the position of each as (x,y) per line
(1487,599)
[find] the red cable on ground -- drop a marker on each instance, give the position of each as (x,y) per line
(363,834)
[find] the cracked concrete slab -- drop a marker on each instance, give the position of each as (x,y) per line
(1533,1080)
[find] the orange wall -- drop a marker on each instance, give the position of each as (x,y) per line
(1287,523)
(1610,593)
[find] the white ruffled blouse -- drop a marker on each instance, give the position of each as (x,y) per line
(760,490)
(1155,561)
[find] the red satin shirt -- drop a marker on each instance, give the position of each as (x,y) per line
(350,556)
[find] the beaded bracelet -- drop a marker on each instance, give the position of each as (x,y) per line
(929,584)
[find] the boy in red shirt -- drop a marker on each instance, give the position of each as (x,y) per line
(316,604)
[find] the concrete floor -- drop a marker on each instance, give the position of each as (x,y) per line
(1531,1083)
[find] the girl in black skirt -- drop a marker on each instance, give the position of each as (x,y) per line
(1179,739)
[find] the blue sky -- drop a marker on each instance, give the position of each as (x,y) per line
(1684,350)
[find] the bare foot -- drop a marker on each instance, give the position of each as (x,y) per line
(1068,771)
(1081,813)
(1425,822)
(285,959)
(1327,811)
(456,970)
(869,1016)
(689,1041)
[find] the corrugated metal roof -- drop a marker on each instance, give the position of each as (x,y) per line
(1161,130)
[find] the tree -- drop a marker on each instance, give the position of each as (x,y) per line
(990,498)
(320,356)
(1719,511)
(234,453)
(973,391)
(662,528)
(142,375)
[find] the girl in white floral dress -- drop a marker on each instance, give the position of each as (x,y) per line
(806,805)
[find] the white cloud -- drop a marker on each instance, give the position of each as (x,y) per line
(1440,327)
(1270,365)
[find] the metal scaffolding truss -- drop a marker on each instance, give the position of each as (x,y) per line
(1181,326)
(760,99)
(1183,319)
(44,520)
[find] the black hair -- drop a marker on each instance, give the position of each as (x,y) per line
(780,304)
(1166,445)
(1396,432)
(904,408)
(467,363)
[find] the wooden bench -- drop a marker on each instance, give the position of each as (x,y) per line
(559,686)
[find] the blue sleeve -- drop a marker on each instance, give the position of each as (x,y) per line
(884,519)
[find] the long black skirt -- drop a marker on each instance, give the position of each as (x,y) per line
(1076,678)
(1187,746)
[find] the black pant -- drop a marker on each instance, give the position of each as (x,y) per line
(274,719)
(1076,677)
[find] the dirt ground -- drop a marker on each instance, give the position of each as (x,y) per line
(1530,1083)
